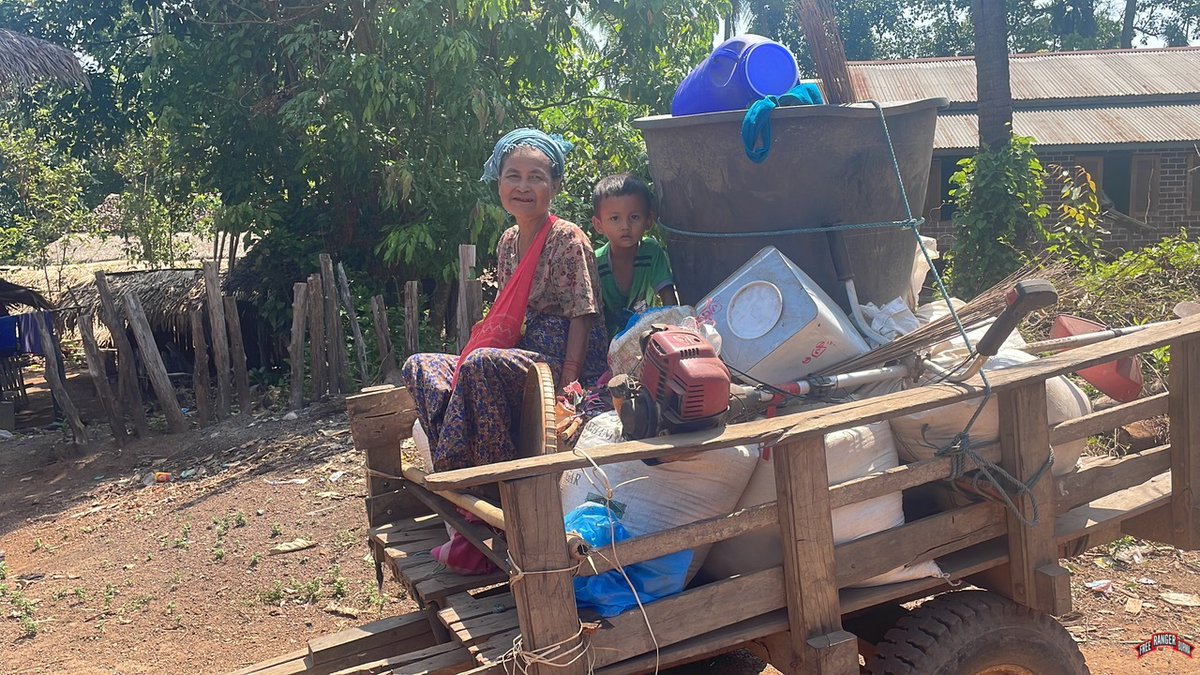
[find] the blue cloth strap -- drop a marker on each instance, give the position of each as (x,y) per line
(756,126)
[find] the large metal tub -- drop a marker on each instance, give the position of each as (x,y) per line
(828,165)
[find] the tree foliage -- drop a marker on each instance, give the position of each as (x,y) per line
(359,126)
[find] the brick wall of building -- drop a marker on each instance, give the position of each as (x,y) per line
(1170,213)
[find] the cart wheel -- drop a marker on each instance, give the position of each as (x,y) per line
(977,633)
(536,435)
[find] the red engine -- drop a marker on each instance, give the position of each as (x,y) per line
(685,386)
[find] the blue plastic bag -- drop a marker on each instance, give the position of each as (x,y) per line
(609,594)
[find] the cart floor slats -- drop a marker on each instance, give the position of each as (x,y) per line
(475,621)
(404,546)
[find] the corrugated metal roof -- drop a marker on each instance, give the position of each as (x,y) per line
(1051,76)
(1082,126)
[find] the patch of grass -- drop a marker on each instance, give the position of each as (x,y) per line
(221,526)
(346,538)
(176,581)
(311,591)
(272,596)
(373,596)
(255,559)
(184,539)
(276,530)
(239,519)
(39,545)
(80,594)
(3,571)
(140,602)
(218,554)
(61,593)
(21,603)
(29,627)
(110,592)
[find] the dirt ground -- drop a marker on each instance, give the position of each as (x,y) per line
(106,574)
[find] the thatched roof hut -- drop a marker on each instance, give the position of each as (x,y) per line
(24,59)
(167,296)
(13,296)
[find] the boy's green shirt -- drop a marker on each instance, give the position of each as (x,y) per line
(651,274)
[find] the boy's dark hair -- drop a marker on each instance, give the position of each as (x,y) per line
(621,185)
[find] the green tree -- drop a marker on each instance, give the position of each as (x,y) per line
(40,198)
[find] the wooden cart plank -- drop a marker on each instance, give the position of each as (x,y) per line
(462,606)
(695,611)
(1114,508)
(402,634)
(918,541)
(1100,476)
(1109,419)
(444,659)
(702,646)
(823,420)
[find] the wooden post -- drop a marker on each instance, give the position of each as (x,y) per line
(819,645)
(152,361)
(201,384)
(545,594)
(379,419)
(127,381)
(220,345)
(316,333)
(819,25)
(237,354)
(57,387)
(1035,578)
(470,305)
(1184,409)
(360,348)
(112,404)
(296,346)
(412,317)
(383,337)
(335,339)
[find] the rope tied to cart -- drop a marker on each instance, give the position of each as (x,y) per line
(965,460)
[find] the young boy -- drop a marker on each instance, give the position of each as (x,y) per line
(634,272)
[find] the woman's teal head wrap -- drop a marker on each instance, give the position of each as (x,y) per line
(553,146)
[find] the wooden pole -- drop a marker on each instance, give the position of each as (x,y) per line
(544,594)
(152,361)
(296,346)
(412,317)
(127,382)
(201,384)
(316,332)
(1184,407)
(220,345)
(57,387)
(818,644)
(237,355)
(360,348)
(469,299)
(335,339)
(1035,577)
(383,337)
(111,403)
(829,54)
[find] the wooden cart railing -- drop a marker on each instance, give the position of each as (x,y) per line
(795,612)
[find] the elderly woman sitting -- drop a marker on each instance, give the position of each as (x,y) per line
(547,311)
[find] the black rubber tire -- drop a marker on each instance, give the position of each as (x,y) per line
(968,632)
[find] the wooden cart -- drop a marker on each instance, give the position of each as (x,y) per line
(803,617)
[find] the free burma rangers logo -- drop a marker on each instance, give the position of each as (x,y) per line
(1164,641)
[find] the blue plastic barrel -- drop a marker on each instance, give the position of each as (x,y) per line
(740,70)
